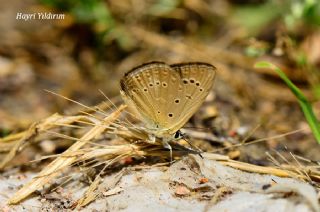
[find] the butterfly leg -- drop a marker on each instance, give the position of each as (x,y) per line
(166,145)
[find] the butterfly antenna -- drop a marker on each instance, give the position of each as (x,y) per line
(200,128)
(191,145)
(76,102)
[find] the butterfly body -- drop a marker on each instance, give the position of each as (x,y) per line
(164,97)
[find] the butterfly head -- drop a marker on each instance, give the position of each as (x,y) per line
(164,134)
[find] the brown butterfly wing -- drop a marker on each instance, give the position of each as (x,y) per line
(167,96)
(197,80)
(147,88)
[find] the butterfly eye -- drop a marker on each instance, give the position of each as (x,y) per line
(178,134)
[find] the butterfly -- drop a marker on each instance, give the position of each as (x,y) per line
(164,97)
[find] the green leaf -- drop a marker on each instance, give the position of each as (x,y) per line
(303,101)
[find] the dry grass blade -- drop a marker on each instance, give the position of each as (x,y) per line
(31,132)
(260,140)
(90,194)
(111,151)
(12,137)
(96,189)
(20,141)
(52,121)
(282,171)
(78,103)
(261,169)
(51,170)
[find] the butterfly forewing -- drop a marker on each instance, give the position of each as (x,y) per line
(167,96)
